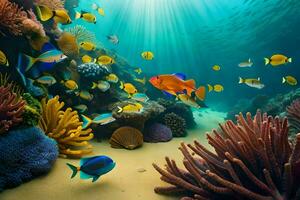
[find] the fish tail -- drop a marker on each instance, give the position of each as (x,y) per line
(77,15)
(267,61)
(144,80)
(74,169)
(119,109)
(289,60)
(86,121)
(241,80)
(200,93)
(30,63)
(283,80)
(210,88)
(94,60)
(44,13)
(94,85)
(249,60)
(121,85)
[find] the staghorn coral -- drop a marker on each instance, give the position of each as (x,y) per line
(176,124)
(66,128)
(11,109)
(253,161)
(52,4)
(126,137)
(293,115)
(25,154)
(81,34)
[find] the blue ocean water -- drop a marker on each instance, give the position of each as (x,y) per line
(191,36)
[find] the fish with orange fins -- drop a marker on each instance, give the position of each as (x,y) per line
(173,84)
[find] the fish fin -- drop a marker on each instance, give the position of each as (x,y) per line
(289,60)
(180,75)
(87,159)
(74,170)
(200,93)
(241,80)
(86,121)
(167,94)
(47,47)
(121,85)
(119,109)
(78,15)
(258,78)
(30,63)
(35,72)
(190,83)
(19,70)
(184,91)
(283,80)
(95,178)
(84,175)
(267,61)
(94,85)
(210,88)
(44,13)
(249,60)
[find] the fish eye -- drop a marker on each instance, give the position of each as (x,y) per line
(81,43)
(157,77)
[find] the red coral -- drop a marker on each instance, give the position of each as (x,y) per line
(11,109)
(254,160)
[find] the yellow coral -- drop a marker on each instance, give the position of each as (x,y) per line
(66,128)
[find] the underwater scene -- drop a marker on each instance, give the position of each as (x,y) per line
(149,99)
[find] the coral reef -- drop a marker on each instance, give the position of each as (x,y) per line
(293,115)
(32,27)
(52,4)
(253,160)
(126,137)
(5,82)
(66,128)
(11,109)
(32,110)
(68,44)
(176,124)
(81,34)
(157,133)
(24,155)
(92,70)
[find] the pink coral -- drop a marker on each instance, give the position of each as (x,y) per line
(31,25)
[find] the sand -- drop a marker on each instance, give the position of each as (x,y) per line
(126,181)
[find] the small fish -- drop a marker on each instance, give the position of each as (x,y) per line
(70,84)
(128,88)
(84,94)
(46,80)
(113,78)
(147,55)
(93,167)
(89,17)
(105,60)
(59,16)
(101,119)
(277,59)
(88,46)
(247,63)
(216,67)
(138,70)
(99,9)
(88,59)
(3,59)
(103,86)
(81,108)
(140,97)
(142,81)
(216,88)
(188,100)
(255,83)
(289,80)
(130,108)
(113,39)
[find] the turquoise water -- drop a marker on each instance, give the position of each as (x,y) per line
(192,36)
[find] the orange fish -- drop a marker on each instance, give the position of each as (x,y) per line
(174,84)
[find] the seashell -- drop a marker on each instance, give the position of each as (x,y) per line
(126,137)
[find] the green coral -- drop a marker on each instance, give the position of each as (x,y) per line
(32,113)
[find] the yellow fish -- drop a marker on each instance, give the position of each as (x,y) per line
(105,60)
(147,55)
(128,88)
(142,81)
(89,17)
(277,59)
(85,95)
(135,107)
(59,16)
(88,59)
(188,100)
(101,11)
(289,80)
(70,84)
(3,59)
(101,85)
(252,82)
(88,46)
(138,70)
(112,78)
(216,88)
(216,68)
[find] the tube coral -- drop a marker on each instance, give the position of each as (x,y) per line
(254,160)
(11,109)
(66,128)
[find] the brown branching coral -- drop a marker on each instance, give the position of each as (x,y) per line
(52,4)
(253,161)
(66,128)
(293,115)
(11,109)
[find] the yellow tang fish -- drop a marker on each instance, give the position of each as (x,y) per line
(216,88)
(142,81)
(277,59)
(3,59)
(88,46)
(188,100)
(85,95)
(128,88)
(147,55)
(105,60)
(59,16)
(216,68)
(112,78)
(252,82)
(89,17)
(289,80)
(88,59)
(138,70)
(70,84)
(135,107)
(99,9)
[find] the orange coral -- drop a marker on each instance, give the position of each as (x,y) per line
(52,4)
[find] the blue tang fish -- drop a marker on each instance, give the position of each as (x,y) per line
(93,167)
(101,119)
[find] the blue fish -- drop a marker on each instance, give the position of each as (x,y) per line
(101,119)
(93,167)
(140,97)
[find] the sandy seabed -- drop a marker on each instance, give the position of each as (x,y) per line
(124,181)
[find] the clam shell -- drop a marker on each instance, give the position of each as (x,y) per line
(126,137)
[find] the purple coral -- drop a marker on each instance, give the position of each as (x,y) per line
(157,133)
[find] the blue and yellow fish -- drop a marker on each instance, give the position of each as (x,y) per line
(101,119)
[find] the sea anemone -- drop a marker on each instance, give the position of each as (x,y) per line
(253,160)
(176,124)
(81,34)
(68,44)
